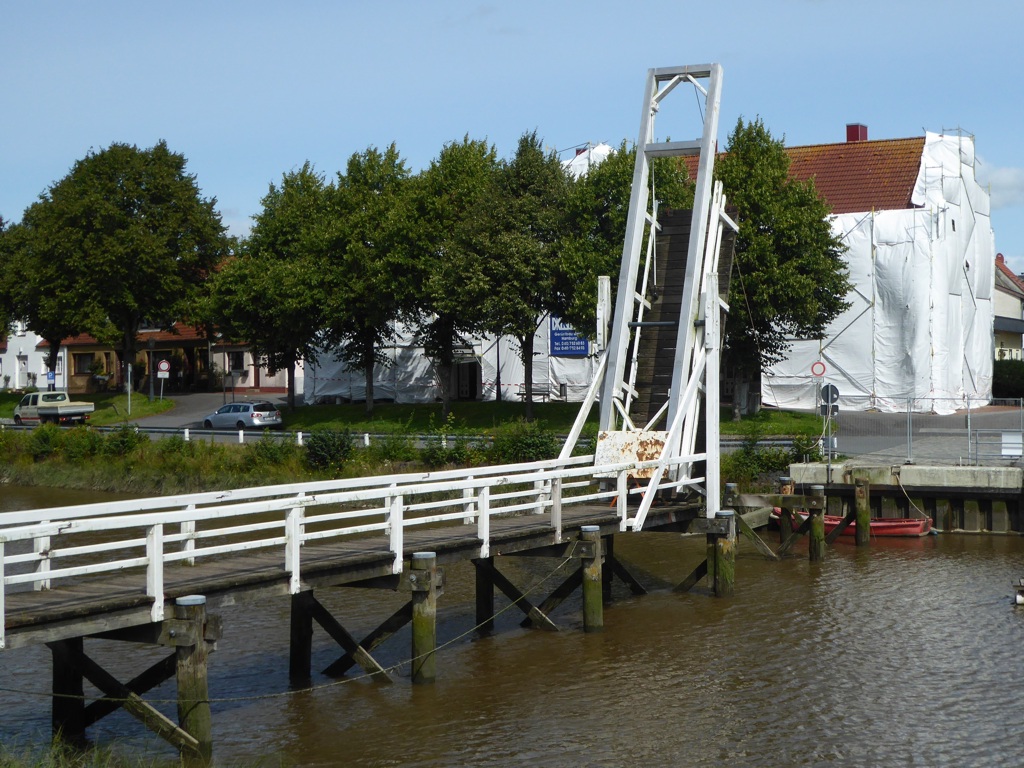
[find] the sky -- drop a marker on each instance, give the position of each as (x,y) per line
(248,91)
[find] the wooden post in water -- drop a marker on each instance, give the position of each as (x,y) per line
(862,499)
(423,582)
(193,689)
(68,696)
(722,556)
(816,539)
(593,591)
(300,647)
(484,598)
(785,513)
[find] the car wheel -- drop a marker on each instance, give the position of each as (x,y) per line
(207,424)
(17,420)
(240,425)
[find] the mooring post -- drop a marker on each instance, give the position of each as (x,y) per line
(721,551)
(300,647)
(423,582)
(785,513)
(193,689)
(816,540)
(862,500)
(484,597)
(593,592)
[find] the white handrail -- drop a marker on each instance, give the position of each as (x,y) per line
(132,534)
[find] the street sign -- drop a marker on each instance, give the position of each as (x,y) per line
(817,369)
(829,394)
(163,369)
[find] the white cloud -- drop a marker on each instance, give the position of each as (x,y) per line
(1007,185)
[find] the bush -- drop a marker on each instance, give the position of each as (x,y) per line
(1008,378)
(81,443)
(269,451)
(328,449)
(523,441)
(45,442)
(124,440)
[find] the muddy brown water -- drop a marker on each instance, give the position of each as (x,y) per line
(909,653)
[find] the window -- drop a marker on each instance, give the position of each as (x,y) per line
(82,362)
(236,361)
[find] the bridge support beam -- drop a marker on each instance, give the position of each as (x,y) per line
(68,709)
(593,584)
(484,596)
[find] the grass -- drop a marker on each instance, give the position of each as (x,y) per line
(111,408)
(772,423)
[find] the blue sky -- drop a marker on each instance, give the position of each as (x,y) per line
(250,90)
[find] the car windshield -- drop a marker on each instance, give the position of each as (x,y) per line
(263,407)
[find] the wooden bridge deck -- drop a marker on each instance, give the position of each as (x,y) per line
(90,605)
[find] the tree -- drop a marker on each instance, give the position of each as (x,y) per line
(368,268)
(124,239)
(448,252)
(523,232)
(272,295)
(789,279)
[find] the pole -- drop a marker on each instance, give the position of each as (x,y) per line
(422,581)
(862,500)
(721,552)
(593,593)
(816,542)
(193,689)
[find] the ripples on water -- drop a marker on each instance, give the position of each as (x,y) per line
(905,654)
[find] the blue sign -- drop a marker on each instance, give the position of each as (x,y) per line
(50,376)
(565,341)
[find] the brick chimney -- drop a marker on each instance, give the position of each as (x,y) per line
(856,132)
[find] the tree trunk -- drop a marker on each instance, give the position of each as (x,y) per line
(444,383)
(526,349)
(368,372)
(291,385)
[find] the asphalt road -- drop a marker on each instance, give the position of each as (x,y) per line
(190,409)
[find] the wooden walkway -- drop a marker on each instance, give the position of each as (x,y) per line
(89,605)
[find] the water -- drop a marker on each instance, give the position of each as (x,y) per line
(904,654)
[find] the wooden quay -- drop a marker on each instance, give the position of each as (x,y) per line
(153,571)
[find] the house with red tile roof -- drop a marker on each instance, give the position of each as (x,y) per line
(921,255)
(1009,312)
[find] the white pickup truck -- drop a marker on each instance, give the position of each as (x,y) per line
(51,408)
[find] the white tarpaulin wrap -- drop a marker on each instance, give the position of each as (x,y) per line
(920,321)
(411,378)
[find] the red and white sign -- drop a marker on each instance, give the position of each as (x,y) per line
(164,366)
(818,368)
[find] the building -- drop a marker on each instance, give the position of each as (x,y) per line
(921,255)
(1009,312)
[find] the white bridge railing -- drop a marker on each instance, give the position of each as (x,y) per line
(43,546)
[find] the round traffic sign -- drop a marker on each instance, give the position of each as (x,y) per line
(817,368)
(164,366)
(829,394)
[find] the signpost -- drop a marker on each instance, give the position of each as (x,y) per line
(829,398)
(163,371)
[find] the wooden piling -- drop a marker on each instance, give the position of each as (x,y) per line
(300,648)
(721,562)
(68,695)
(862,500)
(193,690)
(423,582)
(593,592)
(485,597)
(816,537)
(785,513)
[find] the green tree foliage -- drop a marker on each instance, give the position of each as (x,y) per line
(124,239)
(523,234)
(272,294)
(448,255)
(368,268)
(789,276)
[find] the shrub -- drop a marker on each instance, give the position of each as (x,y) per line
(269,451)
(522,441)
(175,446)
(45,441)
(391,448)
(328,449)
(1008,378)
(123,440)
(81,443)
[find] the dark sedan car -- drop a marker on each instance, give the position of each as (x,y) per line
(254,415)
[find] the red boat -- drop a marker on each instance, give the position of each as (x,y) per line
(880,526)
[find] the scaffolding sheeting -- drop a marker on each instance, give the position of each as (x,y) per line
(920,324)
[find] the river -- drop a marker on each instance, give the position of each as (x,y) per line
(907,653)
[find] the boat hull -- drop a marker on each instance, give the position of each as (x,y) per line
(880,526)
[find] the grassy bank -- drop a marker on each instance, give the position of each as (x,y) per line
(111,408)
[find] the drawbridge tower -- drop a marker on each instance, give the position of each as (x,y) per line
(659,379)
